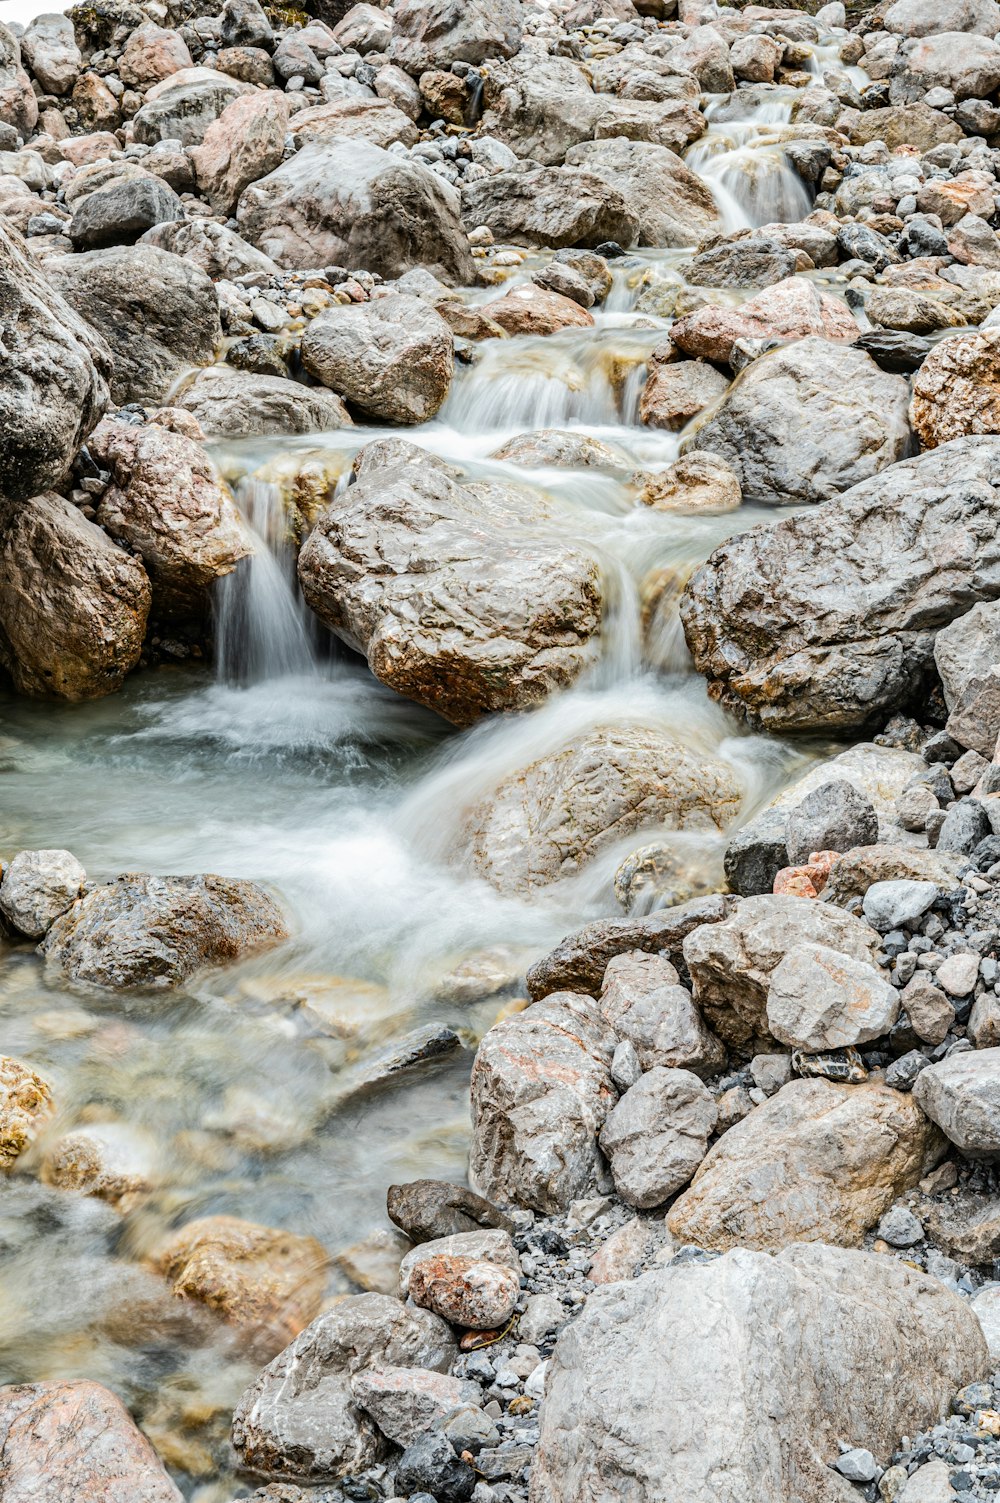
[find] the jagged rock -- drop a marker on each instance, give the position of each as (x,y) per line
(244,144)
(183,106)
(18,105)
(406,1402)
(820,999)
(956,391)
(218,251)
(435,33)
(836,816)
(644,1002)
(428,1209)
(790,310)
(49,48)
(670,202)
(392,359)
(962,1095)
(967,657)
(239,404)
(541,106)
(36,887)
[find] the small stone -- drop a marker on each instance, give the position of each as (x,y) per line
(430,1463)
(900,1228)
(37,886)
(928,1009)
(958,974)
(657,1135)
(857,1465)
(25,1104)
(465,1291)
(771,1071)
(543,1316)
(897,905)
(625,1066)
(903,1071)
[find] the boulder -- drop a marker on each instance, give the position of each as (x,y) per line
(26,1104)
(921,18)
(898,125)
(73,605)
(670,202)
(351,204)
(530,309)
(541,1090)
(956,390)
(230,403)
(218,251)
(158,313)
(299,1419)
(549,206)
(436,33)
(777,1360)
(790,310)
(541,106)
(151,54)
(966,64)
(657,1135)
(377,121)
(50,51)
(392,358)
(816,1162)
(118,212)
(155,932)
(644,1002)
(56,368)
(469,1292)
(962,1095)
(836,816)
(245,143)
(406,1402)
(673,123)
(267,1282)
(677,390)
(459,598)
(170,504)
(754,259)
(491,1246)
(732,962)
(967,658)
(428,1209)
(546,821)
(36,887)
(820,999)
(802,629)
(183,106)
(18,105)
(366,28)
(61,1441)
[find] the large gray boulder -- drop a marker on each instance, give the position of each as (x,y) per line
(460,597)
(230,403)
(644,1002)
(828,621)
(540,106)
(120,211)
(807,421)
(550,206)
(352,204)
(962,1095)
(657,1135)
(55,376)
(49,48)
(158,312)
(183,106)
(73,605)
(218,251)
(736,1379)
(391,358)
(672,204)
(436,33)
(967,657)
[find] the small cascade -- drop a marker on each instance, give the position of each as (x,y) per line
(744,164)
(261,629)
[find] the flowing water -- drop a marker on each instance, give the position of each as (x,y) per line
(288,763)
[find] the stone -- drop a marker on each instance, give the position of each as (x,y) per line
(672,205)
(956,391)
(245,143)
(436,33)
(657,1135)
(170,504)
(541,106)
(802,1363)
(928,1009)
(855,872)
(377,121)
(984,1021)
(159,314)
(676,391)
(231,403)
(547,821)
(791,309)
(465,1291)
(758,260)
(391,359)
(427,1209)
(817,1162)
(155,932)
(36,887)
(820,999)
(967,657)
(964,63)
(118,212)
(986,1307)
(899,904)
(49,48)
(299,1420)
(372,1264)
(549,206)
(765,425)
(755,853)
(543,1317)
(73,605)
(693,483)
(645,1004)
(833,817)
(920,18)
(965,824)
(431,1462)
(958,974)
(26,1104)
(151,54)
(397,568)
(930,1483)
(848,638)
(218,251)
(900,1228)
(629,1250)
(405,1402)
(491,1245)
(365,28)
(182,106)
(348,203)
(111,1160)
(541,1090)
(962,1095)
(530,309)
(731,963)
(76,1440)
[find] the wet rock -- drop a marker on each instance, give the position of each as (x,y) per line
(802,1365)
(962,1095)
(671,203)
(833,817)
(732,962)
(239,404)
(536,310)
(820,999)
(966,655)
(391,359)
(467,1292)
(36,887)
(693,483)
(405,1402)
(372,1264)
(426,1209)
(299,1419)
(548,820)
(244,144)
(111,1160)
(645,1004)
(549,206)
(157,311)
(676,391)
(541,1090)
(73,606)
(169,503)
(657,1135)
(76,1440)
(26,1104)
(553,446)
(352,204)
(817,1162)
(397,569)
(757,261)
(436,33)
(155,932)
(791,309)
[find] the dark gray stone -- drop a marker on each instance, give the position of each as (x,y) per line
(756,853)
(430,1462)
(121,212)
(965,825)
(834,817)
(426,1209)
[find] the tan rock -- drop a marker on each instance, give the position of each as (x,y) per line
(676,391)
(629,1250)
(956,391)
(152,53)
(791,309)
(26,1104)
(535,310)
(112,1160)
(817,1162)
(377,121)
(644,1002)
(855,871)
(952,198)
(245,143)
(696,482)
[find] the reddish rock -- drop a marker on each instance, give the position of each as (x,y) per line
(534,310)
(465,1291)
(152,53)
(244,144)
(791,309)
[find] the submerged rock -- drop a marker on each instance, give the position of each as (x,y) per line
(26,1104)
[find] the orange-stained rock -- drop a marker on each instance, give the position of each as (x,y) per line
(25,1103)
(465,1291)
(534,310)
(806,881)
(791,309)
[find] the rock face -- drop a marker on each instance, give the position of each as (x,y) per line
(157,311)
(391,359)
(459,598)
(25,1105)
(817,1162)
(540,1093)
(238,404)
(36,887)
(550,206)
(154,932)
(73,606)
(352,204)
(76,1440)
(769,428)
(962,1095)
(435,33)
(299,1419)
(644,1002)
(791,309)
(55,376)
(956,391)
(731,963)
(169,503)
(776,1358)
(657,1135)
(802,629)
(967,654)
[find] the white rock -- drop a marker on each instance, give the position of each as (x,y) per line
(38,886)
(962,1095)
(820,999)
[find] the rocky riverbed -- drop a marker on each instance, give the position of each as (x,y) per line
(500,846)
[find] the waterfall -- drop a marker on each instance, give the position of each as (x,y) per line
(744,164)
